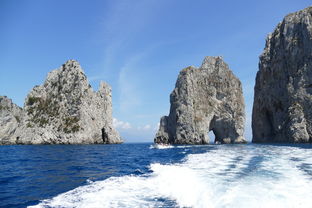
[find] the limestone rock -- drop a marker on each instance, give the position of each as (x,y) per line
(283,92)
(205,99)
(10,117)
(65,110)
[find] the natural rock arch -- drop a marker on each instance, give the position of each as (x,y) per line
(204,99)
(223,131)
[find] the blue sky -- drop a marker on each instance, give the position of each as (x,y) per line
(137,46)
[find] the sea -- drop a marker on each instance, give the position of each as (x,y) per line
(144,175)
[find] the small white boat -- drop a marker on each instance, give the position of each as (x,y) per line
(161,146)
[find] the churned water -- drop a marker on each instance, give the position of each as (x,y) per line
(139,175)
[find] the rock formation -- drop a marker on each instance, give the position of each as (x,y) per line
(283,92)
(205,99)
(65,110)
(10,117)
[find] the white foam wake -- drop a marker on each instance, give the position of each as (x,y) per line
(226,177)
(161,146)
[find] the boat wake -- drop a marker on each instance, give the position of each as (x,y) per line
(235,176)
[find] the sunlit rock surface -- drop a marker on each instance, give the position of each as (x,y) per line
(66,110)
(10,118)
(208,98)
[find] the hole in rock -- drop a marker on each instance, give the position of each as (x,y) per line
(212,137)
(104,136)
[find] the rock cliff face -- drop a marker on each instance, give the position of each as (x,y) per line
(283,92)
(205,99)
(65,110)
(10,118)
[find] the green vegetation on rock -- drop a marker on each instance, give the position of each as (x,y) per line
(39,108)
(71,124)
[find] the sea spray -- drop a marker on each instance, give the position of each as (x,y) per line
(261,176)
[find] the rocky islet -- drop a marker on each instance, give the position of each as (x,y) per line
(10,118)
(208,98)
(283,91)
(64,110)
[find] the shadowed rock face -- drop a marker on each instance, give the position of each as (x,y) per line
(10,117)
(205,99)
(282,109)
(65,110)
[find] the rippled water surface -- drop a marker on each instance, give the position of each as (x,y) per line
(139,175)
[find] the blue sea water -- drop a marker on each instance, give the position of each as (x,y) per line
(140,175)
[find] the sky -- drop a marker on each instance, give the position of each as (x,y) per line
(137,46)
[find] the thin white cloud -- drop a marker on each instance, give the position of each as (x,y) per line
(121,124)
(120,23)
(118,124)
(147,127)
(129,86)
(143,133)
